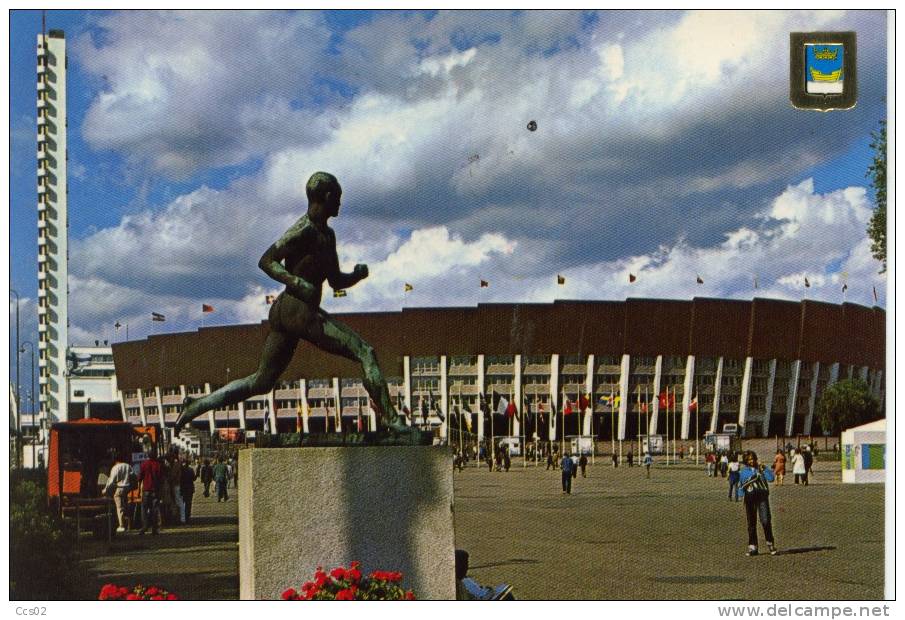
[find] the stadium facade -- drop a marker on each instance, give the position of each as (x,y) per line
(761,364)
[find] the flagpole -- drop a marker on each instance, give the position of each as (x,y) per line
(639,421)
(593,434)
(697,429)
(674,429)
(667,425)
(612,423)
(562,409)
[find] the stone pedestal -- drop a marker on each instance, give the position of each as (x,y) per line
(388,507)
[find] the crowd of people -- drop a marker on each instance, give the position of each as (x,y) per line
(165,487)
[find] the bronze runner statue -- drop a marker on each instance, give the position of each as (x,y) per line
(302,259)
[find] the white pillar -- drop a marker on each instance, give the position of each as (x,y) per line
(688,386)
(623,393)
(768,405)
(337,401)
(122,405)
(480,383)
(746,393)
(850,371)
(795,375)
(717,391)
(863,373)
(554,392)
(655,404)
(272,414)
(517,395)
(141,407)
(241,408)
(407,387)
(812,399)
(160,418)
(834,374)
(589,390)
(303,403)
(444,401)
(878,389)
(210,414)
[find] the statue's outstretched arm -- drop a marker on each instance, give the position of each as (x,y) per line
(340,280)
(271,263)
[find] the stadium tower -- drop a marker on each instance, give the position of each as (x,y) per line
(53,251)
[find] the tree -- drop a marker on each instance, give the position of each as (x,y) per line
(876,228)
(845,404)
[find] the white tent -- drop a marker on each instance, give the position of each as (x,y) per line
(864,453)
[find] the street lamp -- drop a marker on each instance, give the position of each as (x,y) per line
(18,415)
(32,351)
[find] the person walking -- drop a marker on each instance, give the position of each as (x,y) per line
(615,460)
(798,469)
(709,462)
(221,478)
(583,463)
(808,463)
(724,465)
(507,458)
(187,489)
(150,483)
(566,467)
(551,464)
(119,484)
(207,476)
(779,467)
(630,458)
(754,479)
(648,461)
(734,473)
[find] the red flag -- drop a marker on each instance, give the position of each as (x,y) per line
(582,402)
(671,402)
(510,409)
(631,277)
(568,408)
(693,405)
(644,407)
(206,308)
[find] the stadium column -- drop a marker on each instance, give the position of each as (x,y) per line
(211,419)
(517,394)
(338,401)
(812,399)
(303,404)
(717,389)
(795,375)
(589,390)
(850,372)
(141,407)
(241,408)
(624,398)
(687,396)
(407,387)
(554,394)
(480,382)
(768,404)
(878,393)
(161,420)
(655,400)
(863,374)
(834,374)
(272,411)
(122,405)
(444,400)
(745,394)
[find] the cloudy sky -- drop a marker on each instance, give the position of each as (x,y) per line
(665,147)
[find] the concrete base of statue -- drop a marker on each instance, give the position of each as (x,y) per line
(388,507)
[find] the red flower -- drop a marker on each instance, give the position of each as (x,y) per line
(338,573)
(320,579)
(345,595)
(132,597)
(172,597)
(152,591)
(409,595)
(157,597)
(353,574)
(383,575)
(289,594)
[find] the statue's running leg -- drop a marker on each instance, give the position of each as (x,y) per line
(278,350)
(338,338)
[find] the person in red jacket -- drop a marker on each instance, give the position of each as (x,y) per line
(150,480)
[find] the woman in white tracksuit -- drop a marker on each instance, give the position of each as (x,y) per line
(798,468)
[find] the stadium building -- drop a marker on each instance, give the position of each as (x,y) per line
(761,364)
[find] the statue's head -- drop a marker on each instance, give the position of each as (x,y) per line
(323,188)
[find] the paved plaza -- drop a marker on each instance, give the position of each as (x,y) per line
(619,536)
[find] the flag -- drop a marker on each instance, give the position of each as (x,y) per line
(876,298)
(806,283)
(116,326)
(206,308)
(631,277)
(339,293)
(156,316)
(298,418)
(270,299)
(484,283)
(667,401)
(755,281)
(435,407)
(511,409)
(560,279)
(583,401)
(502,406)
(693,405)
(700,280)
(644,407)
(617,401)
(844,287)
(408,287)
(567,409)
(424,410)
